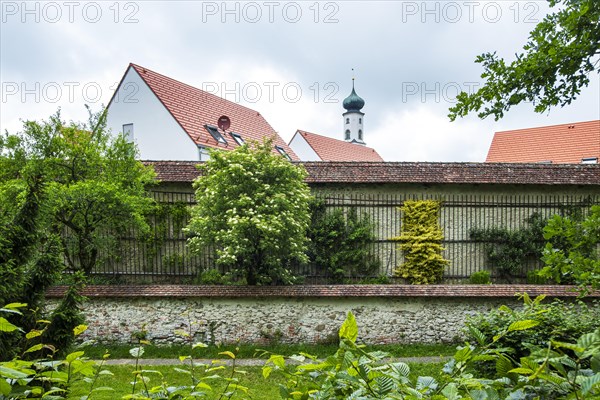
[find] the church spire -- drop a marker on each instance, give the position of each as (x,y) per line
(353,117)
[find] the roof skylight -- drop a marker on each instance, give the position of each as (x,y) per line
(214,132)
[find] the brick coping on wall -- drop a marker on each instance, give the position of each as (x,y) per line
(182,291)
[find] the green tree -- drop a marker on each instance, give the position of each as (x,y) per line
(252,205)
(562,51)
(29,263)
(94,190)
(66,191)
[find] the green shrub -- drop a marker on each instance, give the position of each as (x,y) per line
(353,373)
(572,252)
(480,278)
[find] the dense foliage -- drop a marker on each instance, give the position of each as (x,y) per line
(558,321)
(252,206)
(572,253)
(509,250)
(66,192)
(562,51)
(421,242)
(340,242)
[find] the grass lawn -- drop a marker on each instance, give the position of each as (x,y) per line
(259,388)
(117,351)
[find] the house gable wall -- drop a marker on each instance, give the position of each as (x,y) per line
(301,147)
(157,135)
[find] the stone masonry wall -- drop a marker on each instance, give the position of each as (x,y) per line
(307,320)
(309,314)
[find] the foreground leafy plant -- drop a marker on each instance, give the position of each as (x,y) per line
(558,321)
(352,373)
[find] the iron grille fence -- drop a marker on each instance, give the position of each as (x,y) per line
(161,255)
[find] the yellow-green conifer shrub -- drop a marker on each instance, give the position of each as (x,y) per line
(421,242)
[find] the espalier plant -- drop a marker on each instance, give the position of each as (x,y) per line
(421,242)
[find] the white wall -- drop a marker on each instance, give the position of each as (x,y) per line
(302,149)
(155,131)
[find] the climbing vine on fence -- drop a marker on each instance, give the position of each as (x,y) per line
(421,242)
(341,243)
(166,220)
(508,250)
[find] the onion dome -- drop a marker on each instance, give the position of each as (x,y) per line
(353,102)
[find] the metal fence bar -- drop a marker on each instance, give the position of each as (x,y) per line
(164,256)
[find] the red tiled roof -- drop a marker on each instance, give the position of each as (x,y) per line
(192,108)
(494,291)
(330,149)
(421,172)
(566,143)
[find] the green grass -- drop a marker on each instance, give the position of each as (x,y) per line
(117,351)
(259,388)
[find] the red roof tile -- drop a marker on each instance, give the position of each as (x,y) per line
(329,149)
(299,291)
(193,108)
(566,143)
(418,172)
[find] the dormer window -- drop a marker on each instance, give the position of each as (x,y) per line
(238,138)
(589,160)
(282,151)
(214,132)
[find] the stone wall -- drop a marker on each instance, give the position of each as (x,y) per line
(302,314)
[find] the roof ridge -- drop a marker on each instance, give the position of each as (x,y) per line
(550,126)
(193,87)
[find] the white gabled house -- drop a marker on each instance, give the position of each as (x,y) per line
(170,120)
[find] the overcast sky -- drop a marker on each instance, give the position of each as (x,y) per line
(291,61)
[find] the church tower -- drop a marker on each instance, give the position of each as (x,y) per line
(353,118)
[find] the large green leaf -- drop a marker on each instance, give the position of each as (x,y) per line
(6,326)
(349,329)
(522,325)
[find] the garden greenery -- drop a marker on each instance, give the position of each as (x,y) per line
(557,369)
(252,206)
(421,242)
(29,263)
(557,321)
